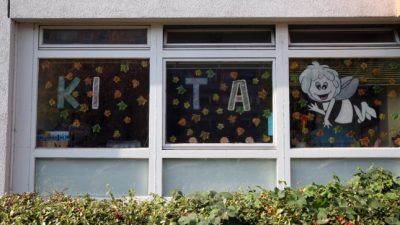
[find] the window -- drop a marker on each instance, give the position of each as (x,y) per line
(219,102)
(344,102)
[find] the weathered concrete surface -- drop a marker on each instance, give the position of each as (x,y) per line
(169,9)
(5,50)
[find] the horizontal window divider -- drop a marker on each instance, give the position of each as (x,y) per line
(100,54)
(121,153)
(344,153)
(94,48)
(222,154)
(344,53)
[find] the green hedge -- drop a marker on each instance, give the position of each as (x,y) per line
(371,197)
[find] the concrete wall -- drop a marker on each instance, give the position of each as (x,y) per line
(200,9)
(5,71)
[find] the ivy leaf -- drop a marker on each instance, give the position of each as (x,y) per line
(181,90)
(266,75)
(395,115)
(338,129)
(239,110)
(122,106)
(303,103)
(64,114)
(96,128)
(267,113)
(124,68)
(294,78)
(210,73)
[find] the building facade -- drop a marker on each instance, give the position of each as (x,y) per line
(195,95)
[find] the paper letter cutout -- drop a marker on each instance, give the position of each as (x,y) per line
(243,97)
(196,82)
(96,90)
(63,92)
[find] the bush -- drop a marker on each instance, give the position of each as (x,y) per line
(371,197)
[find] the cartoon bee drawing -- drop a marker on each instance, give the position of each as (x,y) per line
(322,84)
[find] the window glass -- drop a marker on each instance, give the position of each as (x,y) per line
(95,36)
(219,102)
(344,102)
(321,171)
(91,176)
(190,175)
(93,103)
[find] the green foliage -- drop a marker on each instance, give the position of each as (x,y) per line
(371,197)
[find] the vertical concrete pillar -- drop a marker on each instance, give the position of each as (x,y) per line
(5,89)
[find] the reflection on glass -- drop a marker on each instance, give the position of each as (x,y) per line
(214,102)
(344,102)
(93,103)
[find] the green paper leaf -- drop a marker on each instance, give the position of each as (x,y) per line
(338,129)
(64,114)
(377,89)
(255,81)
(266,75)
(96,128)
(395,115)
(394,66)
(239,110)
(303,103)
(124,68)
(122,105)
(210,73)
(267,113)
(181,90)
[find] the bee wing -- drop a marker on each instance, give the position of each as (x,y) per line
(349,87)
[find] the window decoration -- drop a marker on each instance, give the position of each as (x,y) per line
(93,103)
(344,102)
(219,102)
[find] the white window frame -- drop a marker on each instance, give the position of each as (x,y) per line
(25,153)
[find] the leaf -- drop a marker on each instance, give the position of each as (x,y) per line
(96,128)
(267,113)
(64,114)
(124,67)
(122,105)
(394,115)
(239,110)
(394,66)
(210,73)
(266,75)
(181,90)
(377,89)
(303,103)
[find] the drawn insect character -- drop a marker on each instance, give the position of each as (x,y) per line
(322,84)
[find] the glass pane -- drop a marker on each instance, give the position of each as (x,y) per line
(219,102)
(93,103)
(92,176)
(306,171)
(335,36)
(345,102)
(190,175)
(95,36)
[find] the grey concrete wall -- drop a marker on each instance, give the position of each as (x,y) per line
(5,56)
(60,9)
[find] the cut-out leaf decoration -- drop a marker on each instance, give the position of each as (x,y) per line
(240,110)
(197,73)
(232,119)
(240,131)
(303,103)
(395,115)
(320,133)
(295,93)
(45,64)
(361,92)
(52,102)
(294,78)
(364,141)
(331,140)
(266,138)
(376,72)
(262,94)
(116,79)
(255,81)
(383,135)
(122,106)
(69,76)
(83,107)
(294,65)
(347,62)
(249,140)
(99,70)
(364,66)
(127,119)
(220,126)
(196,118)
(337,129)
(172,139)
(135,83)
(76,123)
(219,111)
(75,94)
(182,122)
(186,105)
(117,94)
(141,100)
(234,75)
(377,89)
(215,97)
(267,113)
(392,94)
(175,101)
(192,140)
(394,66)
(64,114)
(48,85)
(89,94)
(87,81)
(96,128)
(189,132)
(116,134)
(266,75)
(175,79)
(256,121)
(144,63)
(204,135)
(224,140)
(205,111)
(392,81)
(351,133)
(382,116)
(371,132)
(124,67)
(77,65)
(223,87)
(181,90)
(210,73)
(107,113)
